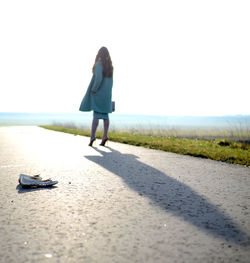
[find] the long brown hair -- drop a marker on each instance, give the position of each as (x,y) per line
(104,57)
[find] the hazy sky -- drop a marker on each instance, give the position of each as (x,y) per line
(170,57)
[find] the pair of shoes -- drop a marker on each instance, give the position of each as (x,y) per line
(92,141)
(104,141)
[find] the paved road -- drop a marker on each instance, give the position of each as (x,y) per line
(118,203)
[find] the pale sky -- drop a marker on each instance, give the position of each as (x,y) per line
(169,57)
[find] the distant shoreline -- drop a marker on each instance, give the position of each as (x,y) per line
(127,121)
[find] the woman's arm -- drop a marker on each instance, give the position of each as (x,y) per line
(97,77)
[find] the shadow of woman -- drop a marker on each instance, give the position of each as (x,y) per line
(171,195)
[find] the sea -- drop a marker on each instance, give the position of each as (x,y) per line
(127,121)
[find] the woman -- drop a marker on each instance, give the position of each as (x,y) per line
(99,94)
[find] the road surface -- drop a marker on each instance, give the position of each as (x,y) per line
(119,203)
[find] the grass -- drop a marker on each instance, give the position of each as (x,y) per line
(217,149)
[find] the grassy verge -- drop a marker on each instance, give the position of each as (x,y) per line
(220,150)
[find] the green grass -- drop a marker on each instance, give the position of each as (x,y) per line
(220,149)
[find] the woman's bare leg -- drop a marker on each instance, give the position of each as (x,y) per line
(95,123)
(106,128)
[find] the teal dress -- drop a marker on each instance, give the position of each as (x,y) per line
(100,101)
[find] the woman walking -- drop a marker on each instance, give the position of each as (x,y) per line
(99,94)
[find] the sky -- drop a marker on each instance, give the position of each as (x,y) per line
(175,57)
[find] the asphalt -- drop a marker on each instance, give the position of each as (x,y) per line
(118,203)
